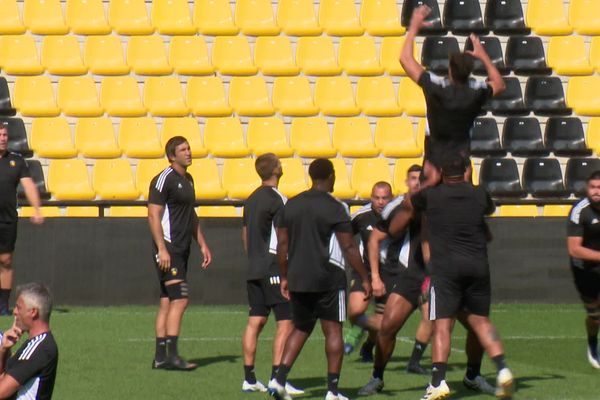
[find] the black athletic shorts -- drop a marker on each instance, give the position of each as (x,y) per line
(450,295)
(310,306)
(8,236)
(403,284)
(587,282)
(435,153)
(178,270)
(264,295)
(356,286)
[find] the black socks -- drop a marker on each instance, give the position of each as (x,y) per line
(438,373)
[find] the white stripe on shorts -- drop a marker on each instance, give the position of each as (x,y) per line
(342,305)
(431,303)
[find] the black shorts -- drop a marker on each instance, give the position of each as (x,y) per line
(178,270)
(435,153)
(264,295)
(356,286)
(587,282)
(307,307)
(450,295)
(403,284)
(8,236)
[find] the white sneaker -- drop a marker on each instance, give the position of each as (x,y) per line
(293,391)
(278,391)
(253,387)
(437,392)
(505,384)
(593,361)
(331,396)
(479,384)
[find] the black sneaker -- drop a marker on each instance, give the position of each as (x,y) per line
(366,353)
(159,364)
(415,368)
(179,364)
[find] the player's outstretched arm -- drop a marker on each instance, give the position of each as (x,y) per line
(204,249)
(33,197)
(350,250)
(495,80)
(155,212)
(374,244)
(407,59)
(577,250)
(282,260)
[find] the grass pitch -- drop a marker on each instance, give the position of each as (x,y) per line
(105,353)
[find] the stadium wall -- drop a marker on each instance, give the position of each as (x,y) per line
(108,261)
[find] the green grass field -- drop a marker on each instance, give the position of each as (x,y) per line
(105,353)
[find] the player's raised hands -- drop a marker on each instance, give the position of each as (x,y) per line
(419,16)
(478,50)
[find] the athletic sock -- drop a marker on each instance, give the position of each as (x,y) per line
(249,375)
(282,373)
(274,371)
(172,346)
(378,372)
(368,345)
(499,361)
(332,382)
(473,370)
(438,373)
(4,296)
(161,349)
(417,353)
(593,344)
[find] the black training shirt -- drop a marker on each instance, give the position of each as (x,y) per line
(584,221)
(456,227)
(176,193)
(261,210)
(315,259)
(363,222)
(12,168)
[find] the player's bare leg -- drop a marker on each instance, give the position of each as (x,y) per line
(422,338)
(592,325)
(177,307)
(254,327)
(357,308)
(6,280)
(334,349)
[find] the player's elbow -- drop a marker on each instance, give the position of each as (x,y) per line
(499,87)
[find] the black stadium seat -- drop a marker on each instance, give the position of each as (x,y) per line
(6,108)
(544,95)
(505,17)
(565,137)
(509,102)
(542,177)
(577,172)
(435,52)
(525,56)
(17,137)
(485,139)
(493,48)
(463,17)
(522,136)
(436,28)
(37,174)
(500,177)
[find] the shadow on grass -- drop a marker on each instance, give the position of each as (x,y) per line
(203,362)
(523,382)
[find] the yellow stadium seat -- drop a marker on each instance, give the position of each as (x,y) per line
(206,97)
(548,17)
(249,97)
(396,138)
(69,180)
(95,138)
(129,17)
(104,55)
(113,180)
(267,135)
(146,55)
(366,172)
(86,17)
(381,18)
(78,97)
(339,18)
(520,210)
(358,56)
(189,129)
(163,97)
(128,212)
(146,170)
(231,56)
(376,97)
(219,212)
(61,56)
(352,137)
(595,53)
(567,55)
(316,56)
(33,96)
(582,95)
(584,16)
(10,20)
(239,177)
(138,138)
(273,56)
(120,97)
(592,136)
(207,182)
(47,212)
(51,138)
(298,18)
(474,174)
(213,17)
(400,169)
(310,137)
(188,55)
(82,212)
(422,132)
(411,98)
(224,137)
(556,210)
(44,17)
(172,17)
(293,96)
(255,17)
(19,55)
(293,180)
(334,96)
(341,187)
(390,54)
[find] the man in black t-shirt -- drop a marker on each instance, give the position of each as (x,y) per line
(13,170)
(583,243)
(261,210)
(314,240)
(173,224)
(460,279)
(453,103)
(30,373)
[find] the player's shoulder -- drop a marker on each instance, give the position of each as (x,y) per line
(160,181)
(579,210)
(15,155)
(392,206)
(42,344)
(362,212)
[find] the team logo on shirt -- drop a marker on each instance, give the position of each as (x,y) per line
(595,221)
(174,271)
(12,163)
(369,228)
(179,186)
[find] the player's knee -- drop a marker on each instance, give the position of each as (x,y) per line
(6,261)
(177,291)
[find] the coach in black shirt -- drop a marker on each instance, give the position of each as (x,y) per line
(314,235)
